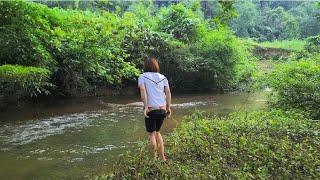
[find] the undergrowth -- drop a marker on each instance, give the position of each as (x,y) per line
(257,145)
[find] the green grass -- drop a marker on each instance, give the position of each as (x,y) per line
(25,80)
(293,45)
(257,145)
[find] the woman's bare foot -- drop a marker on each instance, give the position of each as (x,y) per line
(163,158)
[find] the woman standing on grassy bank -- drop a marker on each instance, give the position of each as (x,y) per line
(156,98)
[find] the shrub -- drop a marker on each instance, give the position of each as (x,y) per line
(220,53)
(85,49)
(313,45)
(178,21)
(257,145)
(20,80)
(24,33)
(88,49)
(296,85)
(80,48)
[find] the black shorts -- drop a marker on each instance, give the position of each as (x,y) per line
(155,120)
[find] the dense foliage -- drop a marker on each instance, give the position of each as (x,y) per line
(85,50)
(276,20)
(80,48)
(295,80)
(259,20)
(73,51)
(25,33)
(312,46)
(258,145)
(106,47)
(296,85)
(24,81)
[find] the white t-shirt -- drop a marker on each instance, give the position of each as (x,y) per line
(154,83)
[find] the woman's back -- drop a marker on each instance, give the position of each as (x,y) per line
(154,83)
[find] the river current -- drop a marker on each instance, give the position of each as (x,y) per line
(81,138)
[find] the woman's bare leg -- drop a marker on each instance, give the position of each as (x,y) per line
(153,144)
(160,145)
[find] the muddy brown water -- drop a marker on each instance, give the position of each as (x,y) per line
(81,138)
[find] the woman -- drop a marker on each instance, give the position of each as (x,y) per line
(156,97)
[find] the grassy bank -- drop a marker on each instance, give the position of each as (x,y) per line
(255,145)
(293,45)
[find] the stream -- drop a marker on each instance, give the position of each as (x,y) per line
(81,138)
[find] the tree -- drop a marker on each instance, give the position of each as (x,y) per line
(276,24)
(246,20)
(178,21)
(307,15)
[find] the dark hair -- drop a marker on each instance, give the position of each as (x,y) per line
(151,65)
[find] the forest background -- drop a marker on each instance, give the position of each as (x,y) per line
(87,48)
(62,49)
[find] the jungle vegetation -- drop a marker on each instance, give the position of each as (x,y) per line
(76,48)
(91,46)
(281,142)
(86,50)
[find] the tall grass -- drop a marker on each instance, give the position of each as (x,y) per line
(293,45)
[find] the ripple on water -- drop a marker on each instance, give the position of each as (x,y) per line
(37,151)
(138,105)
(111,119)
(197,103)
(40,128)
(74,160)
(19,133)
(44,159)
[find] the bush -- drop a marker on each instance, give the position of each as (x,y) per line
(25,33)
(257,145)
(178,21)
(220,53)
(217,60)
(313,45)
(192,56)
(296,85)
(19,81)
(81,48)
(88,49)
(85,49)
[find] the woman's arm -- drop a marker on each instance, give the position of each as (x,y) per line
(143,94)
(168,100)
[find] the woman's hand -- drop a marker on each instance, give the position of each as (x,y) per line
(145,111)
(169,112)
